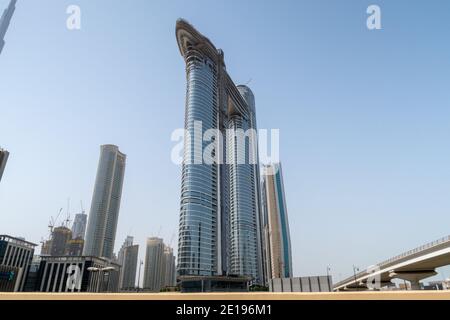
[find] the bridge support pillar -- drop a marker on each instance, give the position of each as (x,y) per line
(413,277)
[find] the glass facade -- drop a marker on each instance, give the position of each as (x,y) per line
(287,272)
(243,223)
(219,231)
(199,194)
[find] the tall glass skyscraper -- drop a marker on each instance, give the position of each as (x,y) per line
(220,216)
(276,224)
(104,214)
(5,20)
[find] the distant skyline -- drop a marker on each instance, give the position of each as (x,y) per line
(363,116)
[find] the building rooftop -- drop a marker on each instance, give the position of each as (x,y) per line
(78,258)
(4,237)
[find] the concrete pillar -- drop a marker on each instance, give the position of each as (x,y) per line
(415,285)
(413,276)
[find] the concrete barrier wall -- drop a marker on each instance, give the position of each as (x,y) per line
(302,284)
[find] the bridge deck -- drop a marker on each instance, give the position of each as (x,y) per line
(423,250)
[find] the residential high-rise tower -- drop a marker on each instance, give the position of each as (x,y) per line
(104,214)
(79,226)
(154,264)
(220,216)
(276,224)
(128,256)
(169,267)
(159,269)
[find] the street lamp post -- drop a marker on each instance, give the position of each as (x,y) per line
(355,268)
(328,278)
(139,275)
(108,271)
(101,271)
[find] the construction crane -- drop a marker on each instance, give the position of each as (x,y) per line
(66,222)
(52,222)
(81,205)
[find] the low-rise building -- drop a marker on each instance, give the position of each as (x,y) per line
(77,274)
(8,279)
(32,276)
(15,258)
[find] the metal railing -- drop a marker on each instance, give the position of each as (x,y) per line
(415,250)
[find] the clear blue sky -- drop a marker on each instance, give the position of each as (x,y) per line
(363,115)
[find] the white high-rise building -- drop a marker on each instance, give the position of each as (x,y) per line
(104,214)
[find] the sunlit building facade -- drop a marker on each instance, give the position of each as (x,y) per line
(104,214)
(276,224)
(220,217)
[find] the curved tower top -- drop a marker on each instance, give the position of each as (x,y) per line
(187,36)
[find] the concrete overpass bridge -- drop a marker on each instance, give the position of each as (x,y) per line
(414,265)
